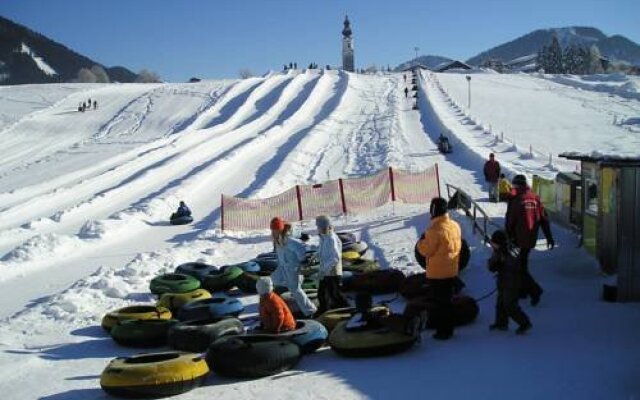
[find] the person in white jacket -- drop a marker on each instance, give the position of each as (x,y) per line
(330,273)
(291,253)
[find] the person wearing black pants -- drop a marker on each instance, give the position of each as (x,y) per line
(442,313)
(529,287)
(330,271)
(507,267)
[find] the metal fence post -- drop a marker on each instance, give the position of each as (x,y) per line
(299,196)
(222,212)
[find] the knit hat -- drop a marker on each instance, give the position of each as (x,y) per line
(438,207)
(323,222)
(519,180)
(499,238)
(264,285)
(277,224)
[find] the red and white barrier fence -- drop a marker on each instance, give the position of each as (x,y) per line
(337,197)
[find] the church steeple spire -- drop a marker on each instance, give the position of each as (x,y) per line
(346,31)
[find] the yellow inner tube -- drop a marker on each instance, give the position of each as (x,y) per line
(350,255)
(331,318)
(174,301)
(153,369)
(366,339)
(134,312)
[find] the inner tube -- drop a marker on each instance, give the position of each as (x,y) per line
(247,266)
(173,301)
(267,264)
(416,286)
(222,280)
(142,332)
(154,374)
(310,335)
(185,219)
(247,281)
(383,281)
(309,284)
(173,283)
(465,309)
(368,342)
(360,265)
(350,255)
(346,237)
(215,307)
(197,335)
(198,270)
(252,356)
(358,247)
(143,311)
(331,318)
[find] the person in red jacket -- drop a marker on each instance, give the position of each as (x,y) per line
(275,315)
(491,176)
(525,215)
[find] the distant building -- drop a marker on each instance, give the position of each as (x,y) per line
(194,80)
(414,67)
(347,46)
(451,65)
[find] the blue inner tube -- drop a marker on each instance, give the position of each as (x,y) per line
(247,266)
(185,219)
(198,270)
(309,334)
(215,307)
(267,264)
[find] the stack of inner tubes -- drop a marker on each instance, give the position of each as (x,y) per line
(173,283)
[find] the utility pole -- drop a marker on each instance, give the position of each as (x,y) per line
(469,94)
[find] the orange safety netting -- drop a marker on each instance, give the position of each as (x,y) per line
(336,197)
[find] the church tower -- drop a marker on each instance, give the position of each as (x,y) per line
(347,46)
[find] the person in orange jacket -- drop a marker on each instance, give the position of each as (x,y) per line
(275,315)
(441,248)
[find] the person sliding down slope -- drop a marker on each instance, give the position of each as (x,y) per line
(291,253)
(183,211)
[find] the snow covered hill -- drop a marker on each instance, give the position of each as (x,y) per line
(84,199)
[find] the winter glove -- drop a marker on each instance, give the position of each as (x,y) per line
(551,243)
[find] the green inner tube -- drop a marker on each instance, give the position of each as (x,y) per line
(222,280)
(369,342)
(360,265)
(173,283)
(142,332)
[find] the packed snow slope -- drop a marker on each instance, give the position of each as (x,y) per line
(85,198)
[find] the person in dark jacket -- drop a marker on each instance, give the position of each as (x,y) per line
(525,215)
(507,267)
(491,176)
(183,210)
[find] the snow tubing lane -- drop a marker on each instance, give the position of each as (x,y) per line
(174,301)
(331,318)
(187,219)
(222,280)
(247,281)
(173,283)
(376,282)
(368,342)
(142,332)
(196,269)
(154,375)
(197,335)
(252,356)
(310,335)
(134,312)
(215,307)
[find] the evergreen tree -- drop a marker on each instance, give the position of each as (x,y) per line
(554,58)
(595,63)
(570,60)
(541,60)
(583,61)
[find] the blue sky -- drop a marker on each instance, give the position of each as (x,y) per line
(215,38)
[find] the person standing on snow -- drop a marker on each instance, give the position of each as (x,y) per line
(491,176)
(406,92)
(441,248)
(330,257)
(275,316)
(507,266)
(290,253)
(504,188)
(525,214)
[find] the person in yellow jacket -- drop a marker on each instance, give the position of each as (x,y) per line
(441,248)
(504,188)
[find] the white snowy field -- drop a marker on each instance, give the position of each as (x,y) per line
(553,114)
(85,197)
